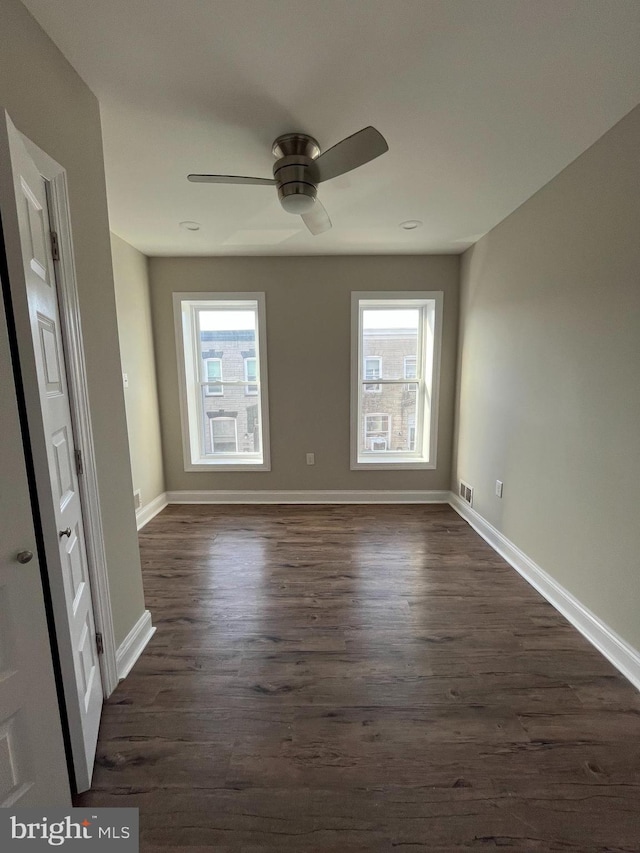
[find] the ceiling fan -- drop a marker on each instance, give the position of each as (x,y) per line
(300,167)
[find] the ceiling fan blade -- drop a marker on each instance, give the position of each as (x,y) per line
(354,151)
(229,179)
(317,220)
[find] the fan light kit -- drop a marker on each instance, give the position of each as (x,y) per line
(300,167)
(411,224)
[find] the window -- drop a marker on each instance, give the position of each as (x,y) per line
(377,431)
(224,434)
(213,372)
(395,428)
(250,375)
(410,372)
(373,370)
(223,380)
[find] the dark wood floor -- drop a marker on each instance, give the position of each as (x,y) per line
(364,678)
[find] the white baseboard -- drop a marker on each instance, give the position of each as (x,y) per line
(134,644)
(334,496)
(624,657)
(150,510)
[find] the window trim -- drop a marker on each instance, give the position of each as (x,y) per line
(184,332)
(399,462)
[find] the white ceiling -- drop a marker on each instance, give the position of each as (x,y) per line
(481,101)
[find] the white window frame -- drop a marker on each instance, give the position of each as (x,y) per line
(427,370)
(185,306)
(205,376)
(250,390)
(373,388)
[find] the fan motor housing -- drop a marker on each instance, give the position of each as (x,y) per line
(294,171)
(295,143)
(296,182)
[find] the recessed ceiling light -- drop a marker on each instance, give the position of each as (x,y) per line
(411,224)
(188,225)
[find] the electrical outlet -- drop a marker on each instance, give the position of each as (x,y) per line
(499,488)
(311,458)
(137,499)
(125,380)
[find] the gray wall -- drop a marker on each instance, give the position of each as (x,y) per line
(549,386)
(137,357)
(51,105)
(308,348)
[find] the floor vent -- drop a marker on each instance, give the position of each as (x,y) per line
(137,499)
(466,492)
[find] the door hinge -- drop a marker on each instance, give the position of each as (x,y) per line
(55,248)
(99,644)
(79,466)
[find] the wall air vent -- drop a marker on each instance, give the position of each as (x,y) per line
(466,492)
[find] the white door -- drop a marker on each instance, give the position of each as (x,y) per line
(33,768)
(35,302)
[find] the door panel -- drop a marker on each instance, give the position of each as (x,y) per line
(74,568)
(50,356)
(61,470)
(35,233)
(52,439)
(33,768)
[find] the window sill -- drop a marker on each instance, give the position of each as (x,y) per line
(230,465)
(393,464)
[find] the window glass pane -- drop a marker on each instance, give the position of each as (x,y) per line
(224,435)
(227,320)
(391,336)
(395,379)
(230,414)
(223,428)
(223,381)
(243,424)
(388,418)
(253,427)
(412,433)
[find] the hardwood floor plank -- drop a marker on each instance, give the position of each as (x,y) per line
(361,678)
(385,819)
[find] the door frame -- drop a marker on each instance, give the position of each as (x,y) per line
(71,329)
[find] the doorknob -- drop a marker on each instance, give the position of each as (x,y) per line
(24,556)
(66,532)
